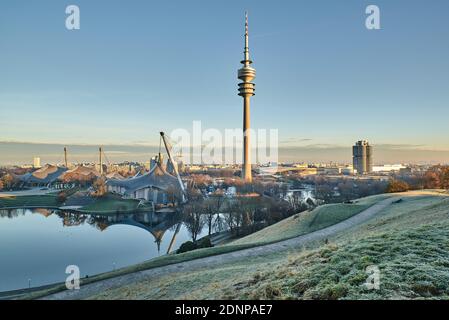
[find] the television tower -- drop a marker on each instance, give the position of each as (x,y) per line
(246,90)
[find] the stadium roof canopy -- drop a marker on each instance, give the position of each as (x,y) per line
(157,178)
(44,175)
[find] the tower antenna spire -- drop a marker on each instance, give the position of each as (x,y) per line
(246,60)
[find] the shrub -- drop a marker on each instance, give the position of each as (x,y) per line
(186,246)
(397,186)
(204,243)
(190,245)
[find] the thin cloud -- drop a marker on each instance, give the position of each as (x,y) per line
(402,146)
(324,146)
(295,140)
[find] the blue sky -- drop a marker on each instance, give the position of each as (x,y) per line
(138,67)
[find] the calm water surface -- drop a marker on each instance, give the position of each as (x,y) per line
(37,245)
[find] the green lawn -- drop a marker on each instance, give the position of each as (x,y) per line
(108,204)
(48,200)
(114,204)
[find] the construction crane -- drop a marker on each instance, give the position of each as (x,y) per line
(175,167)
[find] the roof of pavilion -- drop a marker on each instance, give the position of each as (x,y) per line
(80,173)
(156,178)
(44,175)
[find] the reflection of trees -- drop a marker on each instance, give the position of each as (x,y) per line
(219,223)
(194,219)
(232,217)
(247,214)
(70,219)
(212,208)
(241,215)
(98,222)
(11,214)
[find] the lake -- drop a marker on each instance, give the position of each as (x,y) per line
(36,245)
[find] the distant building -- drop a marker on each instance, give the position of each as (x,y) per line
(406,170)
(389,168)
(362,157)
(37,162)
(347,170)
(329,170)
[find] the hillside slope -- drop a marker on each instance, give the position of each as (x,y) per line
(309,221)
(408,242)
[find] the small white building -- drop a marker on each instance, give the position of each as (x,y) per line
(388,168)
(37,162)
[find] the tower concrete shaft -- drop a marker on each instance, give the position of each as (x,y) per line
(246,90)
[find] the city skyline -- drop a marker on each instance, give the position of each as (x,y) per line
(105,84)
(23,153)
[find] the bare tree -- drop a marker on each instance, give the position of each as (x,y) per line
(233,217)
(8,181)
(99,188)
(172,194)
(193,219)
(212,209)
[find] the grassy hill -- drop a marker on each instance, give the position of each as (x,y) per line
(408,241)
(309,221)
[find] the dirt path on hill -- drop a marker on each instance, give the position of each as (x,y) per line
(100,286)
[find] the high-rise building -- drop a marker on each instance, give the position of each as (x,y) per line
(362,157)
(37,162)
(246,90)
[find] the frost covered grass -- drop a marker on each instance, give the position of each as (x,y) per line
(413,264)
